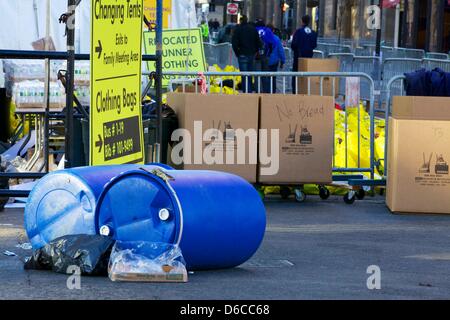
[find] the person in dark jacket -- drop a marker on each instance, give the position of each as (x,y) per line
(246,44)
(226,34)
(303,44)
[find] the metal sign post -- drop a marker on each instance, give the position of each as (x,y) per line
(70,83)
(379,31)
(158,80)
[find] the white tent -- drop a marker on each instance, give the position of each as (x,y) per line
(24,21)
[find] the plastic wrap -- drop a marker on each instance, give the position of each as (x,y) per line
(147,262)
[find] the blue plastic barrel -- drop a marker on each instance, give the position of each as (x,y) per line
(218,219)
(63,202)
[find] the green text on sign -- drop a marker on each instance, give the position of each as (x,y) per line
(182,51)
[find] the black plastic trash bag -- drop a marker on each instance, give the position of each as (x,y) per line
(89,253)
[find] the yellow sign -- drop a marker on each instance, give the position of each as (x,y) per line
(116,134)
(182,51)
(150,12)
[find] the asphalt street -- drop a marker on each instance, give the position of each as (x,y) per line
(314,250)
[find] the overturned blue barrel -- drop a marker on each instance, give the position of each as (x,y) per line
(63,202)
(218,219)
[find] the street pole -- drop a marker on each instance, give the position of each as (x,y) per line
(70,84)
(47,88)
(158,80)
(379,30)
(397,26)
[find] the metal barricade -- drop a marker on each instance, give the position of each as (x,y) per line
(431,64)
(327,40)
(345,65)
(413,53)
(363,51)
(345,61)
(437,56)
(220,54)
(329,48)
(290,58)
(216,79)
(391,53)
(370,66)
(366,64)
(395,87)
(319,54)
(397,66)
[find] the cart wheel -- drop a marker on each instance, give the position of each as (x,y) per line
(324,193)
(285,192)
(350,197)
(360,194)
(300,195)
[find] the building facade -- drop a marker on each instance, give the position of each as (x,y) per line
(421,24)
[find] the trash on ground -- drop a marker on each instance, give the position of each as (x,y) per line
(11,153)
(24,246)
(147,262)
(9,253)
(88,252)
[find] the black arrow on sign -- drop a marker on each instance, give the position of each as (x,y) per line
(99,49)
(99,143)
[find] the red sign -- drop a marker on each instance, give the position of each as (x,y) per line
(390,3)
(232,9)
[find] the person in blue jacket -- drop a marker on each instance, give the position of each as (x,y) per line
(303,44)
(262,60)
(277,59)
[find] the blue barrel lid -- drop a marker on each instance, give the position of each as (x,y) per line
(61,198)
(139,205)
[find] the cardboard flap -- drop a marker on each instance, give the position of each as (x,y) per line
(421,108)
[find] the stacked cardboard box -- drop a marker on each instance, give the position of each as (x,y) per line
(287,139)
(223,114)
(318,65)
(305,144)
(419,155)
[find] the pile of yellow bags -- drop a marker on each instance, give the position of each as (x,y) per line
(348,144)
(351,147)
(215,81)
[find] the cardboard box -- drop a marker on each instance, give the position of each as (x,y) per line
(421,108)
(418,172)
(225,114)
(188,89)
(318,65)
(305,125)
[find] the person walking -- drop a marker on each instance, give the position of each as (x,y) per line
(246,44)
(205,31)
(276,59)
(225,34)
(303,44)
